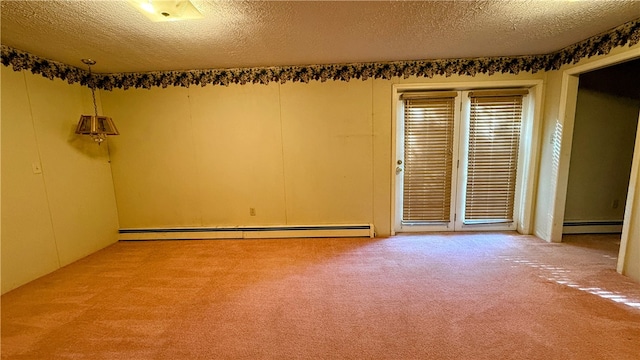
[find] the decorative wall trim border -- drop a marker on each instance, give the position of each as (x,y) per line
(626,34)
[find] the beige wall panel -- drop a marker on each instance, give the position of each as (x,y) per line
(601,154)
(328,150)
(631,266)
(28,242)
(547,171)
(632,258)
(238,146)
(153,158)
(249,145)
(382,161)
(629,257)
(77,172)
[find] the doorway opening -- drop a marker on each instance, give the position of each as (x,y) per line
(605,127)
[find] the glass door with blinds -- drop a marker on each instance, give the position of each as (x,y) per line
(427,146)
(457,160)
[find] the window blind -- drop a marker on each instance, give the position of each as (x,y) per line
(494,140)
(428,157)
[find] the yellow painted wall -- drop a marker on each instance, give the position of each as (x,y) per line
(328,152)
(204,156)
(28,243)
(317,153)
(548,167)
(322,152)
(67,211)
(382,156)
(300,154)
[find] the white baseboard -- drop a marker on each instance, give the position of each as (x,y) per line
(592,227)
(247,232)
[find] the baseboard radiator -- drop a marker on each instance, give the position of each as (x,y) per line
(592,227)
(247,232)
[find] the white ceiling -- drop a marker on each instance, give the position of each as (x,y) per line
(269,33)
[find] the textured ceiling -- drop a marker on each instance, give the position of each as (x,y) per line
(270,33)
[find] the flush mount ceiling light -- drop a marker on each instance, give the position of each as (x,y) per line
(167,10)
(98,127)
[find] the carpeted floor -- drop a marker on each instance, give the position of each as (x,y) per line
(441,296)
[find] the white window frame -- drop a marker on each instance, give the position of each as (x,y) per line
(528,156)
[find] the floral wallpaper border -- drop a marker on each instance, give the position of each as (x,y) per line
(628,33)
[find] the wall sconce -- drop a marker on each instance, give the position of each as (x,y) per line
(98,127)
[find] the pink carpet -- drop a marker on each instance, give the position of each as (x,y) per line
(442,296)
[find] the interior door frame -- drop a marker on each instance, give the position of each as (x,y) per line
(630,209)
(559,185)
(530,137)
(566,114)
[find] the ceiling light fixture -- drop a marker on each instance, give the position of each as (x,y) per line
(98,127)
(167,10)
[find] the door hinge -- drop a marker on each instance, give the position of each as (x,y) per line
(458,164)
(455,217)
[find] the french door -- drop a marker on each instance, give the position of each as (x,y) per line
(457,160)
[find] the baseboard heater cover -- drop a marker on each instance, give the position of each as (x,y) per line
(247,232)
(592,227)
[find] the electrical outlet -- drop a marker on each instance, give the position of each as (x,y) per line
(615,203)
(37,168)
(252,211)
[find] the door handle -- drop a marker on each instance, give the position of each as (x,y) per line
(398,170)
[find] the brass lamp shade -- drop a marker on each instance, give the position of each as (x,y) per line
(98,127)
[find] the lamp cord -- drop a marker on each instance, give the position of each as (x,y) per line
(95,107)
(93,93)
